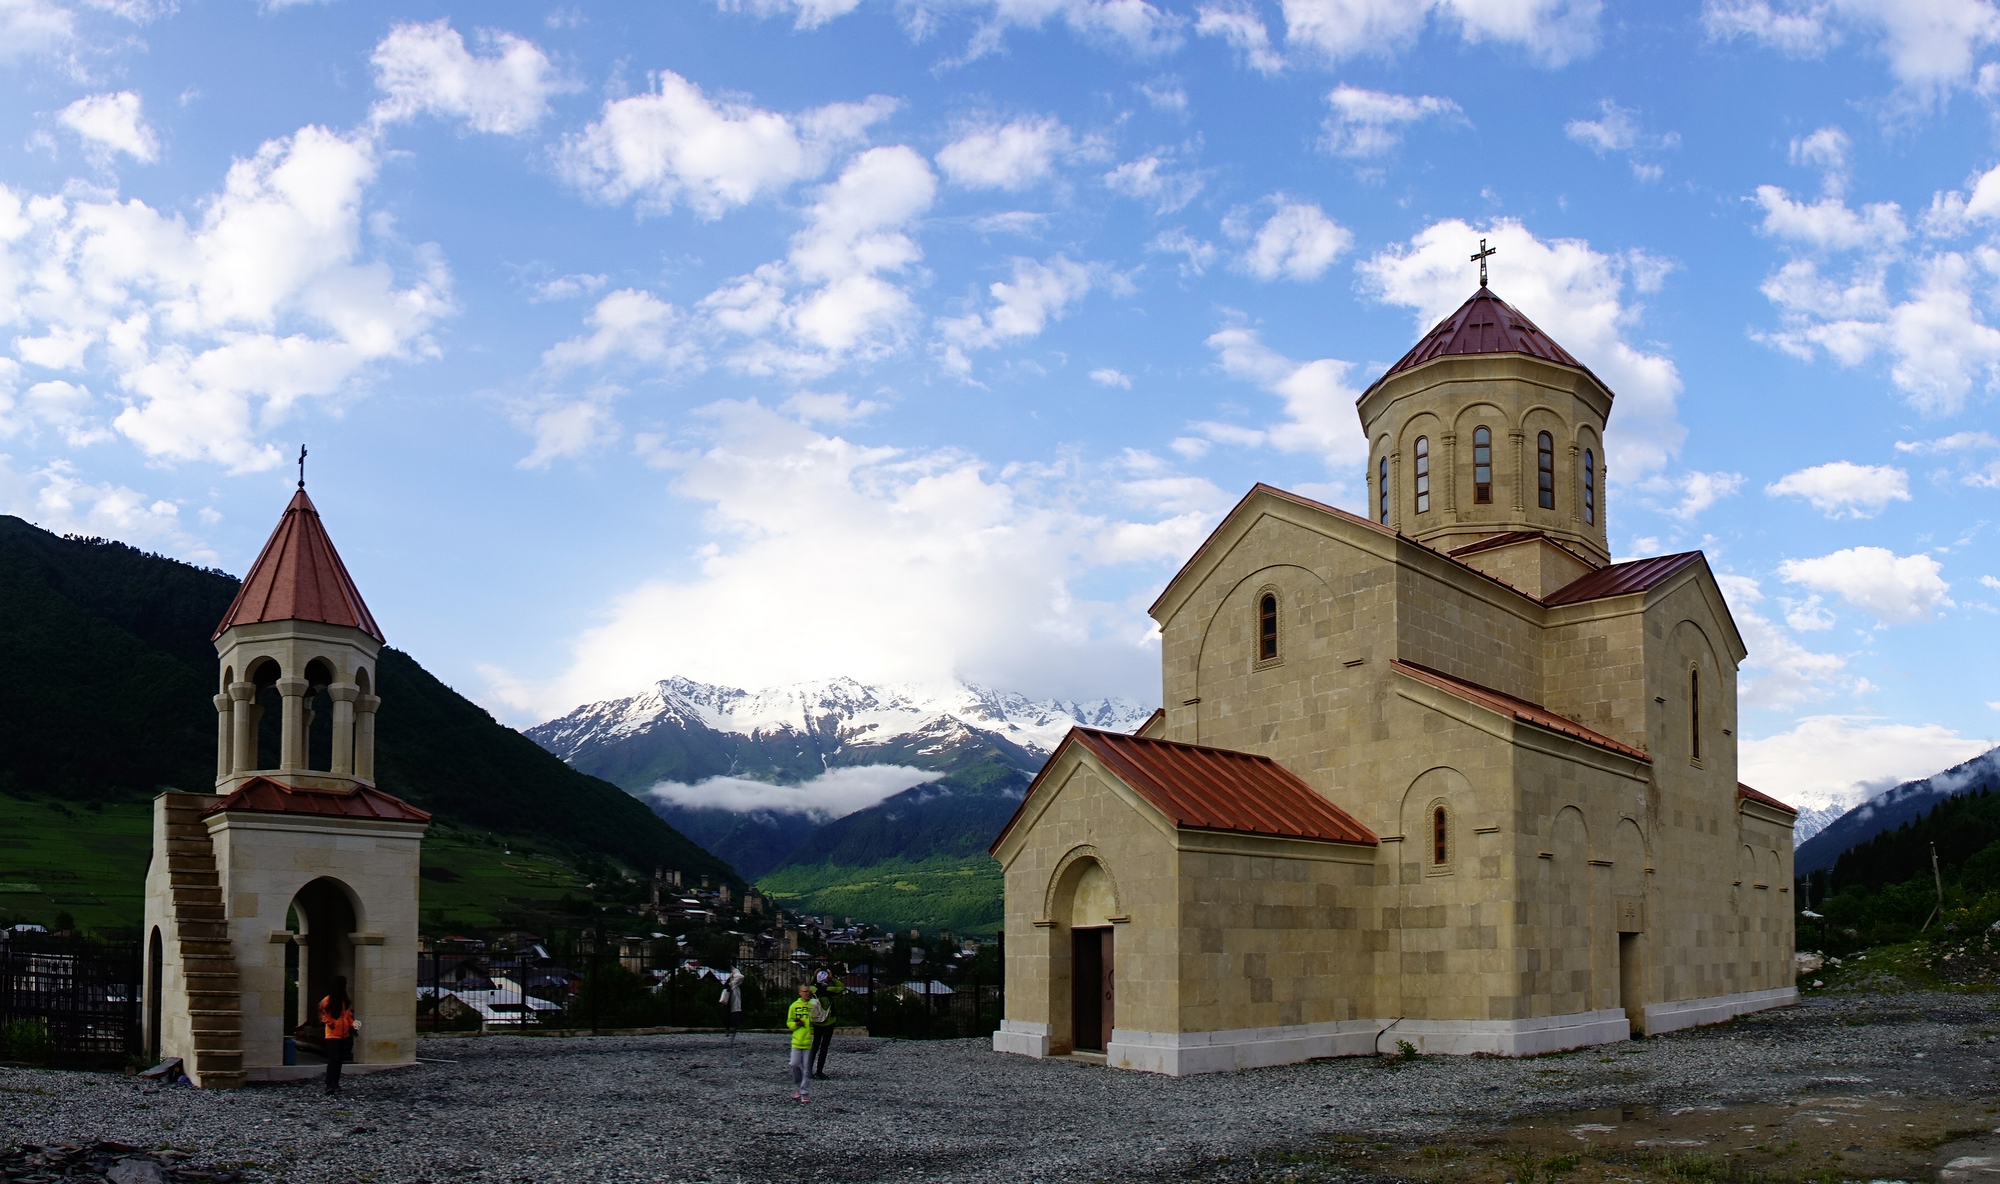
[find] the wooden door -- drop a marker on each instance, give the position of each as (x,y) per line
(1086,979)
(1104,985)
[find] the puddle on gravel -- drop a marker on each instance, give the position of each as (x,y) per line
(1830,1132)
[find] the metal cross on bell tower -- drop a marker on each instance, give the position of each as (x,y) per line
(1479,257)
(302,448)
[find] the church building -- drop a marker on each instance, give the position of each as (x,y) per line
(296,870)
(1443,774)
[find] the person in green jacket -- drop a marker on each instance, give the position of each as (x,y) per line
(825,987)
(798,1017)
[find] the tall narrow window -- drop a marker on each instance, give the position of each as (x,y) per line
(1267,628)
(1545,471)
(1482,466)
(1423,474)
(1382,483)
(1694,714)
(1440,841)
(1589,486)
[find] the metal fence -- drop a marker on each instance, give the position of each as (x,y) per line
(66,1000)
(591,985)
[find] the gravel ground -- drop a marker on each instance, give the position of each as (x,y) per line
(692,1107)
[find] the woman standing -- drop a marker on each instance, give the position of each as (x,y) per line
(799,1019)
(732,1000)
(337,1014)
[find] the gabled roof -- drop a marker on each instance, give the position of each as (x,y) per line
(299,577)
(262,795)
(1745,792)
(1620,579)
(1515,708)
(1484,324)
(1201,788)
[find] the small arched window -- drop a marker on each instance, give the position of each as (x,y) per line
(1267,627)
(1440,837)
(1482,466)
(1382,484)
(1423,474)
(1545,471)
(1694,716)
(1589,486)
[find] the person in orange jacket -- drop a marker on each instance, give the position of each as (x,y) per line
(336,1012)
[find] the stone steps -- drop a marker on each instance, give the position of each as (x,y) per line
(201,926)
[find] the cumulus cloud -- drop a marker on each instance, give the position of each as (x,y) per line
(30,28)
(1297,242)
(1370,123)
(112,123)
(1108,376)
(835,793)
(1552,32)
(1240,26)
(1829,225)
(673,145)
(926,565)
(1135,26)
(1896,589)
(1842,489)
(211,332)
(425,69)
(1196,254)
(806,14)
(629,325)
(1010,156)
(1153,180)
(1931,45)
(1617,130)
(568,287)
(57,497)
(1698,491)
(1576,294)
(1956,442)
(1318,405)
(1039,292)
(1779,672)
(1842,760)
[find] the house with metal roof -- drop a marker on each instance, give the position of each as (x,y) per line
(1442,773)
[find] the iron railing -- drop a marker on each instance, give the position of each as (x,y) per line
(68,1000)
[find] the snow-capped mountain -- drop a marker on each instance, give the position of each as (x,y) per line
(1811,822)
(1892,808)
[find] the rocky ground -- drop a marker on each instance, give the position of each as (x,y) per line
(1858,1082)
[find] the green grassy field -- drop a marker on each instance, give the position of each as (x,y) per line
(962,894)
(59,858)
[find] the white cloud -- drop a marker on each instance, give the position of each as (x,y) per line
(1039,293)
(112,123)
(1842,760)
(212,332)
(29,28)
(1368,123)
(56,498)
(925,565)
(1151,180)
(1318,404)
(1239,25)
(1990,583)
(568,430)
(1552,32)
(1828,224)
(1166,94)
(568,287)
(1700,490)
(835,793)
(1896,588)
(628,325)
(1297,242)
(426,70)
(1616,129)
(1956,442)
(1574,293)
(1931,45)
(836,408)
(807,14)
(672,145)
(1842,489)
(1133,25)
(1779,672)
(1196,254)
(1107,376)
(1828,149)
(1011,156)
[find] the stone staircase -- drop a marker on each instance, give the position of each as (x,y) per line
(201,925)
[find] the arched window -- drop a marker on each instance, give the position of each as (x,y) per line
(1440,837)
(1482,466)
(1589,486)
(1545,471)
(1267,627)
(1694,715)
(1382,483)
(1423,474)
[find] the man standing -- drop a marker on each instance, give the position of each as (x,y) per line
(825,987)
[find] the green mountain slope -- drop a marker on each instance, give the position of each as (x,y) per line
(106,678)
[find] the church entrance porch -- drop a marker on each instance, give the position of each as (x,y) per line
(322,921)
(1090,989)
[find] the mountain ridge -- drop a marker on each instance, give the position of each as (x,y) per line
(1894,807)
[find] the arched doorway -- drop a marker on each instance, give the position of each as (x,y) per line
(156,974)
(325,924)
(1083,900)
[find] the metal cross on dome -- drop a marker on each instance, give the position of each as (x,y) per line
(1479,257)
(302,448)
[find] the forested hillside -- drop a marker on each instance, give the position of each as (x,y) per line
(1885,890)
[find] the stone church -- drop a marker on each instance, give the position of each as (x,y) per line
(1443,774)
(296,869)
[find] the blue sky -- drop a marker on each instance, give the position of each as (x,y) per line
(768,340)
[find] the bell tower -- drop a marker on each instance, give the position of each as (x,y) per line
(1486,441)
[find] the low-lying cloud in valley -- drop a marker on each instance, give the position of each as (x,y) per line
(833,794)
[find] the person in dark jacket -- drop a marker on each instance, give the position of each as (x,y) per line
(825,987)
(336,1013)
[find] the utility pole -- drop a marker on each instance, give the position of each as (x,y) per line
(1939,881)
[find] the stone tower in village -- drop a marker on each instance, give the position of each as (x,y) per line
(1440,772)
(296,869)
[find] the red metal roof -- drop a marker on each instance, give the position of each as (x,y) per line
(1514,708)
(1619,579)
(1499,540)
(1744,791)
(299,577)
(1200,788)
(1484,324)
(262,795)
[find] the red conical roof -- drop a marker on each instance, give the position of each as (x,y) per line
(299,577)
(1484,324)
